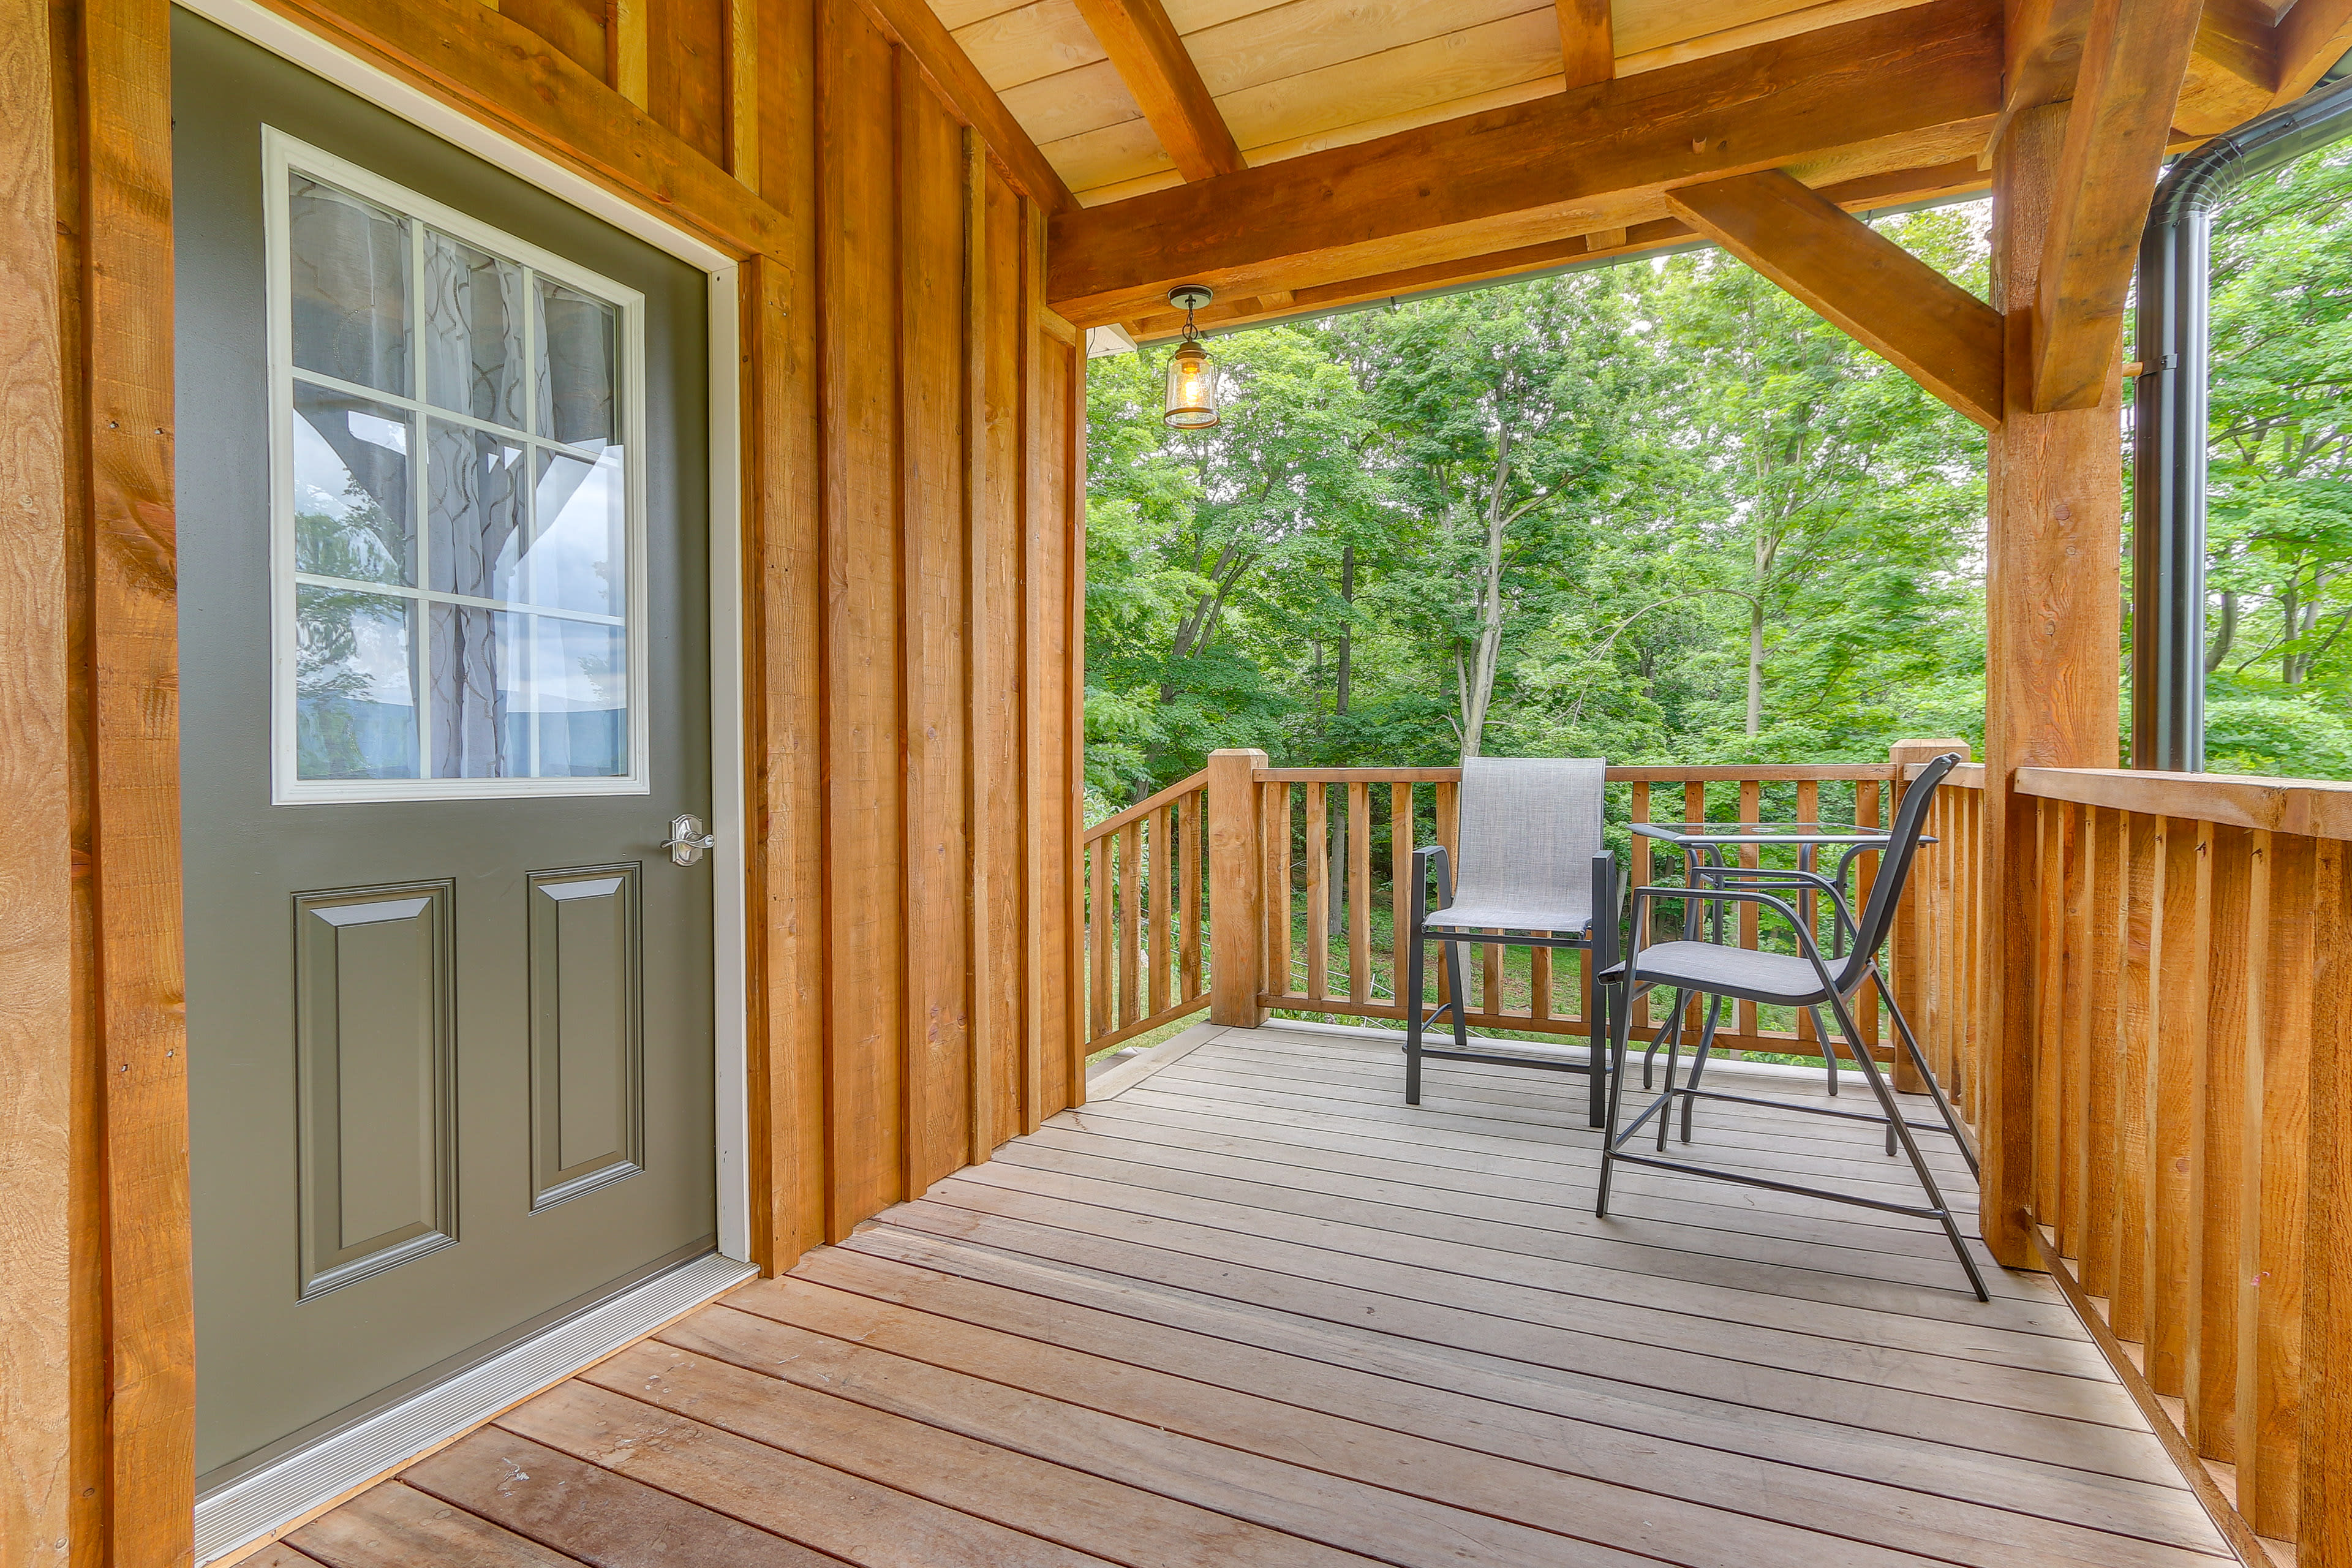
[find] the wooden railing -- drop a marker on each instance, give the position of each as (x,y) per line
(1145,874)
(1300,814)
(2191,1183)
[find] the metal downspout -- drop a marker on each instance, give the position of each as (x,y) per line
(2168,422)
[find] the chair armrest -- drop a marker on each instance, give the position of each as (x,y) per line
(1607,904)
(1770,875)
(1427,859)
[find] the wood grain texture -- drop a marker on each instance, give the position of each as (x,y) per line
(149,1315)
(1516,175)
(1238,898)
(1150,59)
(2308,808)
(784,578)
(36,903)
(1588,47)
(2325,1505)
(629,31)
(395,1526)
(915,25)
(2135,57)
(2054,503)
(866,937)
(686,81)
(2313,34)
(1893,304)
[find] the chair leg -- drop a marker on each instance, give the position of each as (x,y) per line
(1886,1097)
(1413,965)
(1829,1048)
(1459,997)
(1666,1100)
(1621,1024)
(1605,1005)
(1698,1068)
(1673,1028)
(1919,1060)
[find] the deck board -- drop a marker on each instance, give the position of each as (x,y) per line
(1253,1310)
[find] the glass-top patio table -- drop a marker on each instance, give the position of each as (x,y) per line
(1704,843)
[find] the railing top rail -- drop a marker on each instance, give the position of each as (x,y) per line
(1968,775)
(1749,773)
(1147,805)
(2313,808)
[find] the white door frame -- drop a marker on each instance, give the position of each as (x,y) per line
(251,20)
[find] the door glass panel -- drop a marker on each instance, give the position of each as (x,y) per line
(473,331)
(479,731)
(457,610)
(352,516)
(473,516)
(348,285)
(578,695)
(579,367)
(575,560)
(355,684)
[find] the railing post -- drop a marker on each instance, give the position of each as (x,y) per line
(1908,941)
(1237,894)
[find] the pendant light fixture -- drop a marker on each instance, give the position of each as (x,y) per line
(1191,402)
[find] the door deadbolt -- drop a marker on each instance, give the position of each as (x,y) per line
(687,841)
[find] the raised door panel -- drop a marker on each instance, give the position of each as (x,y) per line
(587,1115)
(376,1064)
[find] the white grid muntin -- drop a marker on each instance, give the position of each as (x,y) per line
(282,156)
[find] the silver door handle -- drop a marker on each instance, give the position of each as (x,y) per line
(687,841)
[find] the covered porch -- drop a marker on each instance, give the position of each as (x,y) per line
(1246,1307)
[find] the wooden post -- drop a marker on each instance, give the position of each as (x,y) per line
(1908,941)
(1236,898)
(2052,635)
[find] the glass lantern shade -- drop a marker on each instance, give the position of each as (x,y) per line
(1192,388)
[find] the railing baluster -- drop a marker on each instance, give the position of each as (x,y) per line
(1449,821)
(1809,809)
(1278,895)
(1641,876)
(1318,895)
(2134,1110)
(2180,958)
(2103,1047)
(1156,907)
(1694,810)
(1865,877)
(1190,815)
(1098,940)
(2219,1192)
(1750,802)
(1130,894)
(1360,892)
(1401,887)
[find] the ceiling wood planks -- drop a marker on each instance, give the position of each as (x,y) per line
(2135,57)
(1588,49)
(1150,59)
(1868,97)
(914,24)
(1893,304)
(2311,36)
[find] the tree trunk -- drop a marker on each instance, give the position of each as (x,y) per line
(2225,633)
(1338,877)
(1756,664)
(1480,692)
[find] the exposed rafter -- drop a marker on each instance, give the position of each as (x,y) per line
(1588,47)
(1959,178)
(1890,302)
(2135,55)
(1910,87)
(2311,36)
(1150,59)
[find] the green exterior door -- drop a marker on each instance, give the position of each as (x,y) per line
(443,554)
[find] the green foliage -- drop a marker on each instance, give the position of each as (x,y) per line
(1663,513)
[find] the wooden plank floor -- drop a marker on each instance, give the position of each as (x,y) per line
(1251,1309)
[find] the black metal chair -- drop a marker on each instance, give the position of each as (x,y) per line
(1533,864)
(1803,979)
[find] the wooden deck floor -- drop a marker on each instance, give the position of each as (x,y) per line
(1251,1309)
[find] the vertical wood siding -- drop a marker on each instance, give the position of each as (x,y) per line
(912,445)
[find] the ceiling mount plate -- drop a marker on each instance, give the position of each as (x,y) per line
(1190,297)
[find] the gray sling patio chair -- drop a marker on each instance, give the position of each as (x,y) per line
(1533,864)
(1803,979)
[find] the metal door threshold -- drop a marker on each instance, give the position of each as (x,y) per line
(258,1505)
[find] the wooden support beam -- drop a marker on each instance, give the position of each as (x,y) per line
(1588,44)
(1957,178)
(2233,73)
(916,29)
(1887,299)
(1914,87)
(2135,57)
(2052,623)
(1152,60)
(2311,36)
